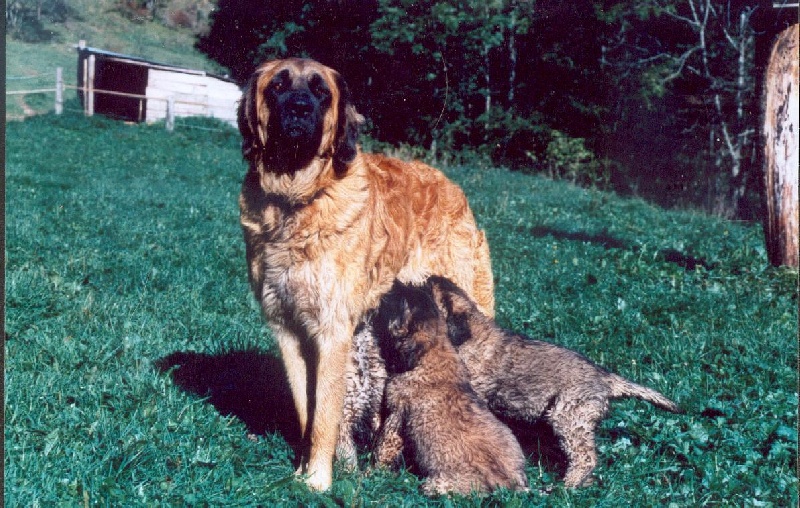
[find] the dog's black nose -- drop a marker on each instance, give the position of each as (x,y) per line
(300,106)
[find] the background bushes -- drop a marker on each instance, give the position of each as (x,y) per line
(656,98)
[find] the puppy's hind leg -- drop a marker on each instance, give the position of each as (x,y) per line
(346,452)
(575,427)
(389,444)
(582,458)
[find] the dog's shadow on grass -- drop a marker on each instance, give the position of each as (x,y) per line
(248,384)
(607,241)
(252,386)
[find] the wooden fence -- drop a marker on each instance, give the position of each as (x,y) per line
(58,90)
(90,92)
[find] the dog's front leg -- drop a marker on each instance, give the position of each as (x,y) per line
(327,407)
(295,358)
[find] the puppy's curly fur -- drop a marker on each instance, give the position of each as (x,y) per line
(528,380)
(366,379)
(456,442)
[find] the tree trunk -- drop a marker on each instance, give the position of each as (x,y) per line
(512,57)
(781,161)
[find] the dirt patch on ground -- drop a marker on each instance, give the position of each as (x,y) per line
(19,101)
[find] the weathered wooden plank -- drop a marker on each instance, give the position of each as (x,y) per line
(194,95)
(781,141)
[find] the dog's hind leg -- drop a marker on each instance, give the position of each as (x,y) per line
(575,427)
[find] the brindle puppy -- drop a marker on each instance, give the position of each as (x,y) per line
(456,442)
(528,380)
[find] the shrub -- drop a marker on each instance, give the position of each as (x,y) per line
(509,135)
(568,158)
(24,21)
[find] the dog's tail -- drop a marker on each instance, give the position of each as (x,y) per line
(622,388)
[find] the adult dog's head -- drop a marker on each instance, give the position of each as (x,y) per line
(294,111)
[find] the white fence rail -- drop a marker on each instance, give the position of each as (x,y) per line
(89,92)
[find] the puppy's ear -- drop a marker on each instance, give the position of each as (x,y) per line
(457,299)
(345,143)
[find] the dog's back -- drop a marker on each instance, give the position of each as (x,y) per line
(494,355)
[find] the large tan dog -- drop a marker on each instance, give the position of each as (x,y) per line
(328,229)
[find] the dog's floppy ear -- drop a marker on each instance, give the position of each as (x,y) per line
(349,121)
(252,116)
(247,118)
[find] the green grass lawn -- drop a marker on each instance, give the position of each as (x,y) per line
(123,247)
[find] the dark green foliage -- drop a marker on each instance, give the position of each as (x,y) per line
(664,105)
(422,71)
(123,248)
(25,19)
(244,33)
(659,104)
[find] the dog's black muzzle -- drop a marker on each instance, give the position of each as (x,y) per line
(300,118)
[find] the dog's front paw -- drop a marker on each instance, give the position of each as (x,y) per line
(318,480)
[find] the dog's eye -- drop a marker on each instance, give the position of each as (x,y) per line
(280,83)
(318,87)
(278,87)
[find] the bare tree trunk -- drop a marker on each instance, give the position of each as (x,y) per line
(741,41)
(488,79)
(781,124)
(13,11)
(512,56)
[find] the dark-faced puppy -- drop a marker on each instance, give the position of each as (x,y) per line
(456,442)
(527,379)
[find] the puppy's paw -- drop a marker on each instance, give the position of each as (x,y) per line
(347,457)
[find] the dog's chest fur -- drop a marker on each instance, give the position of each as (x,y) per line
(307,261)
(299,270)
(327,260)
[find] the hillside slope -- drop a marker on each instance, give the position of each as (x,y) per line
(32,65)
(123,247)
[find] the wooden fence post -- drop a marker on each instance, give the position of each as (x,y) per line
(170,123)
(85,87)
(781,140)
(89,84)
(59,90)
